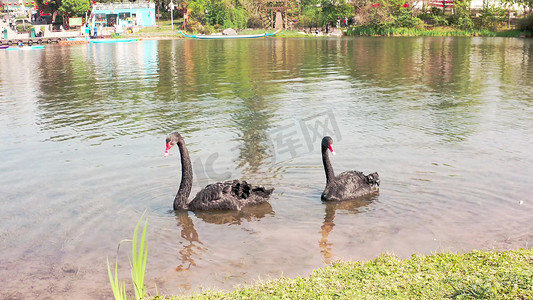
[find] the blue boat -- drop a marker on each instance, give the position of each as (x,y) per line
(102,41)
(238,36)
(26,48)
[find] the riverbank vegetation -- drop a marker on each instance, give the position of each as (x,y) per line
(366,17)
(474,275)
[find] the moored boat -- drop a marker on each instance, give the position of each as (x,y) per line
(235,36)
(26,48)
(102,41)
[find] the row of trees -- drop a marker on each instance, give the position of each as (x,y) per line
(208,14)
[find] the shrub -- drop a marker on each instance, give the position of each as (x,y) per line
(254,22)
(526,23)
(492,17)
(198,27)
(461,17)
(405,18)
(22,28)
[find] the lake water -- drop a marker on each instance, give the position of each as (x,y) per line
(446,122)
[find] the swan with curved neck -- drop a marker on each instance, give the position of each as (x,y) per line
(228,195)
(347,185)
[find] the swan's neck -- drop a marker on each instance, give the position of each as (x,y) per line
(180,202)
(328,169)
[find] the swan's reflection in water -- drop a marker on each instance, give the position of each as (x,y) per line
(194,247)
(188,233)
(351,207)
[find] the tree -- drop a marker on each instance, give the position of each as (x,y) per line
(49,6)
(75,7)
(321,12)
(527,5)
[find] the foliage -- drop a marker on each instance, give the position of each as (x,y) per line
(197,27)
(474,275)
(311,16)
(139,256)
(437,31)
(526,23)
(387,16)
(138,266)
(492,16)
(22,28)
(405,18)
(254,22)
(384,16)
(317,13)
(227,13)
(461,17)
(434,17)
(48,6)
(119,289)
(527,5)
(75,7)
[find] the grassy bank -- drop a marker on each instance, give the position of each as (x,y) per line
(164,30)
(436,31)
(474,275)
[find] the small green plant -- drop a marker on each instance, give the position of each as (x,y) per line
(119,289)
(138,266)
(139,256)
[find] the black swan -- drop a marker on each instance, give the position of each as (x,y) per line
(228,195)
(347,185)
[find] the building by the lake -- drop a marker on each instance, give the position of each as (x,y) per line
(124,14)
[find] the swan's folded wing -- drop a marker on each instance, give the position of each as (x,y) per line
(216,196)
(232,195)
(346,186)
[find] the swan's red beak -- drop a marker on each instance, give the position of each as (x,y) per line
(169,145)
(331,149)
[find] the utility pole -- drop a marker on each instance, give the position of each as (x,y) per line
(171,5)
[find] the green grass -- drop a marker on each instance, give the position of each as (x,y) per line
(437,31)
(138,266)
(474,275)
(119,288)
(164,30)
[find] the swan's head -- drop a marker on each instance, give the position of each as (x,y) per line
(327,142)
(172,139)
(374,180)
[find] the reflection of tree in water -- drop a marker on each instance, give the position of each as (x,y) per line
(253,121)
(351,206)
(194,247)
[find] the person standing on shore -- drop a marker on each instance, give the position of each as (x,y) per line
(88,30)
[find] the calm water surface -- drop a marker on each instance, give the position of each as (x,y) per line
(445,121)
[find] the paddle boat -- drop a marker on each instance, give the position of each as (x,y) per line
(235,36)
